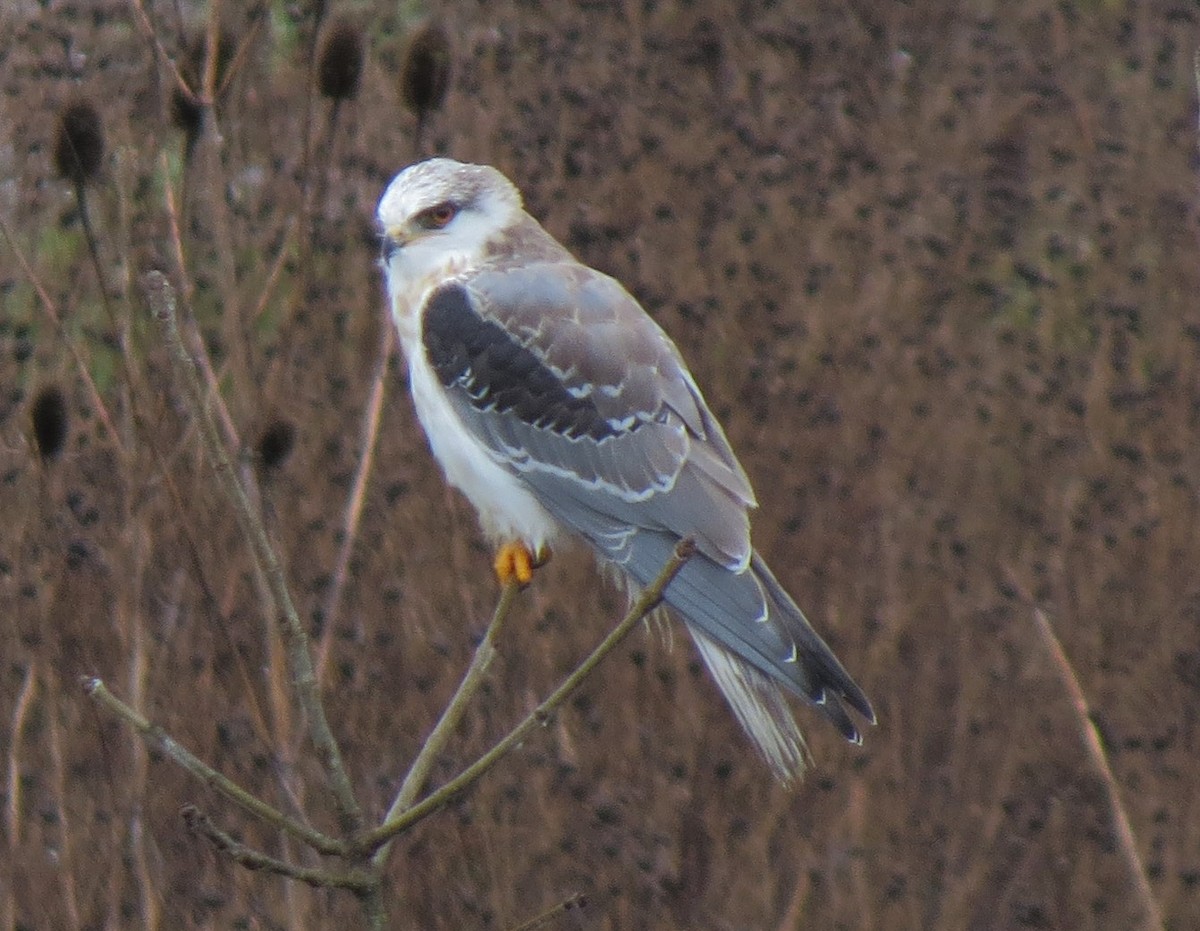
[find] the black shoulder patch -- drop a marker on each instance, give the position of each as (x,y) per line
(498,373)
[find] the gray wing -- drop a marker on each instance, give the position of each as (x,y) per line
(568,383)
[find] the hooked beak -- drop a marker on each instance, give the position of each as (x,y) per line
(391,242)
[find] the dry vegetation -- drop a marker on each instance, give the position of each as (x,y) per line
(936,265)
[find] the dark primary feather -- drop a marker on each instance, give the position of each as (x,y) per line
(502,375)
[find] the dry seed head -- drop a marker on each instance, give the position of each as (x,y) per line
(51,422)
(186,113)
(425,70)
(276,443)
(340,67)
(79,146)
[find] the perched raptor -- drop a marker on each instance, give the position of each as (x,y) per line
(560,409)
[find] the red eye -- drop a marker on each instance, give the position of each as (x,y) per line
(435,218)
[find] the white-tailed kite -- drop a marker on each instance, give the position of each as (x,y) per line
(560,409)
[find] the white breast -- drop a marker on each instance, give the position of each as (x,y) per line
(508,512)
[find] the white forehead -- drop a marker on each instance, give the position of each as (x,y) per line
(438,180)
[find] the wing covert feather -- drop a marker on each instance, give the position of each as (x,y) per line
(561,374)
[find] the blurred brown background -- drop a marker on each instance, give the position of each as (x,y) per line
(935,265)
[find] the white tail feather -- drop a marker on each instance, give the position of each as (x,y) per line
(760,707)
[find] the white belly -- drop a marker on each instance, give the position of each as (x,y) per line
(507,510)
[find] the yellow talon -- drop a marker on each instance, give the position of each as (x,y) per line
(516,562)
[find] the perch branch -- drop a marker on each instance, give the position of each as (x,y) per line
(454,710)
(649,599)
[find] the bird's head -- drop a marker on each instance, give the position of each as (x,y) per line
(440,212)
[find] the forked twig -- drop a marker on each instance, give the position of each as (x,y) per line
(649,599)
(158,739)
(356,880)
(454,711)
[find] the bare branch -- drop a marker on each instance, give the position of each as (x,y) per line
(1095,749)
(649,599)
(357,881)
(158,739)
(161,296)
(569,904)
(454,710)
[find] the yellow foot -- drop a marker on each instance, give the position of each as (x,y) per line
(516,562)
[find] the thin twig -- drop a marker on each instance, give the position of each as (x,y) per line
(66,834)
(158,739)
(1091,740)
(212,42)
(199,353)
(569,904)
(162,299)
(1196,78)
(212,606)
(149,33)
(327,147)
(453,713)
(306,148)
(356,880)
(354,506)
(89,234)
(281,257)
(649,599)
(242,55)
(13,808)
(237,338)
(51,312)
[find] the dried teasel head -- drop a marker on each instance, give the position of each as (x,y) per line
(340,64)
(276,444)
(51,422)
(425,69)
(79,145)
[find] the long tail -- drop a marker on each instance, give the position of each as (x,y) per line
(757,643)
(758,704)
